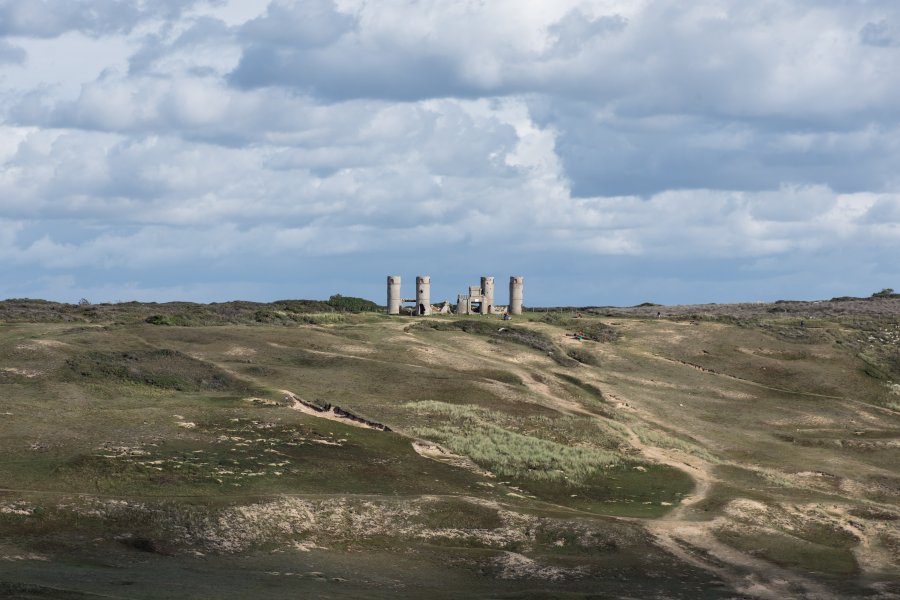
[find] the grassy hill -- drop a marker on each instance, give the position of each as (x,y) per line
(291,450)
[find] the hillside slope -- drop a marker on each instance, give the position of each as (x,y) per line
(681,458)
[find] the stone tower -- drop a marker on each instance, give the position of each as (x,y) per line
(423,295)
(462,305)
(393,295)
(487,290)
(516,294)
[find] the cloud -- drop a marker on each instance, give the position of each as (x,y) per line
(307,24)
(477,174)
(51,18)
(882,34)
(687,145)
(608,154)
(201,45)
(651,57)
(10,53)
(301,169)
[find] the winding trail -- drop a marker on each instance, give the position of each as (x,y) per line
(695,542)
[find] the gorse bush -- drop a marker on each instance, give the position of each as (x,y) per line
(351,304)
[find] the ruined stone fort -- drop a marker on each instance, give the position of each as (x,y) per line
(479,300)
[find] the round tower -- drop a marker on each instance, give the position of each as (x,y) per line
(423,295)
(487,290)
(462,304)
(516,294)
(393,295)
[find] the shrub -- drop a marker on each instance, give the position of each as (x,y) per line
(351,304)
(160,320)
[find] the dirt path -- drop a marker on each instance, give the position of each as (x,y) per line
(695,542)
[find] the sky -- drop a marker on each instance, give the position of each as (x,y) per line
(612,152)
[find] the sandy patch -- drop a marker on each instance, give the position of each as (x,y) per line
(26,556)
(806,421)
(656,383)
(518,566)
(240,351)
(34,345)
(354,349)
(27,373)
(330,414)
(262,401)
(733,395)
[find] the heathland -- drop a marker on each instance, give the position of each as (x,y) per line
(290,449)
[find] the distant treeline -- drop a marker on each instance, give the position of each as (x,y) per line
(23,310)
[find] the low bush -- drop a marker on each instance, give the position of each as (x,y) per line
(351,304)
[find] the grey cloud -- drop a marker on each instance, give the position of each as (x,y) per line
(668,96)
(573,30)
(11,54)
(609,154)
(882,33)
(352,72)
(885,211)
(202,32)
(305,24)
(51,18)
(314,47)
(701,58)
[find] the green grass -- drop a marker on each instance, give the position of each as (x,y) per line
(243,456)
(792,552)
(661,439)
(158,368)
(512,454)
(577,463)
